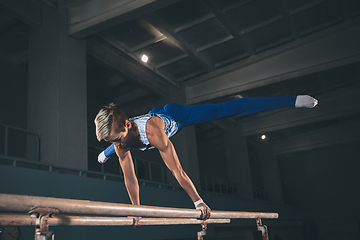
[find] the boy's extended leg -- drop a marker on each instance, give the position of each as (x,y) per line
(195,114)
(243,106)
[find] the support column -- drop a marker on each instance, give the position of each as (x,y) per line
(238,162)
(57,91)
(271,175)
(186,148)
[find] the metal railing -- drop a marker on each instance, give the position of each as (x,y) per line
(144,169)
(218,185)
(6,139)
(147,168)
(25,163)
(260,194)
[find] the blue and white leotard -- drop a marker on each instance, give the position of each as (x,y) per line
(171,127)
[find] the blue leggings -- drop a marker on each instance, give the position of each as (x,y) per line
(194,114)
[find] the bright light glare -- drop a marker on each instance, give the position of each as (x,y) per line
(263,137)
(144,58)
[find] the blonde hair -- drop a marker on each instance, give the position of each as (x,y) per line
(107,118)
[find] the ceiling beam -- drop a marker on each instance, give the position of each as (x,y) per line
(306,7)
(236,4)
(215,8)
(109,39)
(214,43)
(225,124)
(94,16)
(113,82)
(113,60)
(305,57)
(331,136)
(170,61)
(147,43)
(283,9)
(194,23)
(333,105)
(26,11)
(7,22)
(125,99)
(108,84)
(50,3)
(74,3)
(163,27)
(261,24)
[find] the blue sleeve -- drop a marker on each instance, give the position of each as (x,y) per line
(109,150)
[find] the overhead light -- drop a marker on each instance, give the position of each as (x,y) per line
(263,137)
(144,58)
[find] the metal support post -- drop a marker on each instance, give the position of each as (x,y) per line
(263,229)
(203,231)
(42,215)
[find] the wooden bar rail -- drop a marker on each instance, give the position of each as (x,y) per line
(23,203)
(27,220)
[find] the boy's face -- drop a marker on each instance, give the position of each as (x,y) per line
(121,138)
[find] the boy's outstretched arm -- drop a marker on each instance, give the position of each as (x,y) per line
(130,179)
(157,138)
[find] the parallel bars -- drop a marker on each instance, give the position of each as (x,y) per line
(44,207)
(22,203)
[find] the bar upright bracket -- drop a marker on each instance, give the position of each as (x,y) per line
(203,231)
(262,228)
(42,215)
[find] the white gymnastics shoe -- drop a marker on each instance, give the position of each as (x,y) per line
(305,101)
(102,158)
